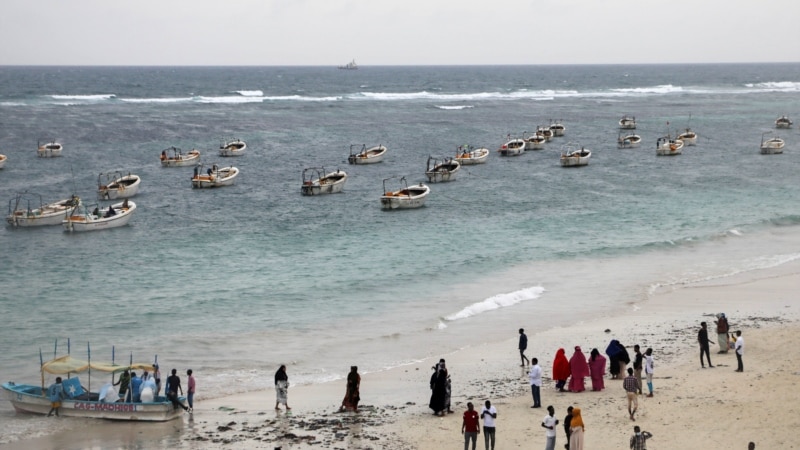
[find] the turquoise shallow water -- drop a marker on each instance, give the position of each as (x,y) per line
(232,282)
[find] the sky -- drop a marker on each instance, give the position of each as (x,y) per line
(396,32)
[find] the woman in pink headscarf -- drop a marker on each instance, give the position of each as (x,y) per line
(580,370)
(561,369)
(597,367)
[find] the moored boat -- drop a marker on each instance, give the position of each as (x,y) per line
(49,149)
(174,157)
(772,146)
(214,176)
(113,185)
(534,141)
(667,146)
(28,210)
(470,156)
(628,140)
(366,155)
(80,218)
(783,122)
(689,137)
(627,123)
(558,128)
(512,147)
(316,181)
(439,170)
(235,147)
(572,156)
(406,197)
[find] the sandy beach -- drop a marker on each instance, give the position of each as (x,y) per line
(692,407)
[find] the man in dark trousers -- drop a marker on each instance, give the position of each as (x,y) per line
(173,387)
(567,423)
(523,344)
(702,339)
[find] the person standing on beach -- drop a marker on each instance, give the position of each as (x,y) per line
(438,389)
(157,377)
(649,366)
(702,339)
(470,427)
(353,394)
(55,393)
(722,332)
(523,344)
(631,387)
(535,377)
(282,388)
(579,369)
(739,346)
(173,387)
(489,414)
(561,370)
(639,439)
(577,429)
(567,425)
(190,388)
(597,370)
(638,359)
(549,422)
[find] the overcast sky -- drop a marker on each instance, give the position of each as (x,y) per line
(396,32)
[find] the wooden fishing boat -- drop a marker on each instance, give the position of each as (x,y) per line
(469,156)
(49,150)
(316,181)
(545,132)
(406,197)
(83,218)
(667,146)
(235,147)
(535,141)
(558,128)
(783,122)
(512,147)
(27,209)
(628,140)
(627,123)
(113,185)
(214,176)
(571,156)
(439,170)
(772,146)
(173,157)
(689,137)
(366,155)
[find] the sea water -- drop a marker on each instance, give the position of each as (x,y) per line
(233,282)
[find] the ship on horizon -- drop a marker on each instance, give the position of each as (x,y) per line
(350,66)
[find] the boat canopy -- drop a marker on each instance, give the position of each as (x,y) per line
(67,364)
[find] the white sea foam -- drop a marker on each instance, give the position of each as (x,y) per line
(787,86)
(455,108)
(255,93)
(95,97)
(662,89)
(497,301)
(157,100)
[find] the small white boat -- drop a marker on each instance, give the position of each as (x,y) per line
(439,170)
(49,150)
(772,146)
(366,155)
(535,141)
(406,197)
(783,122)
(628,140)
(80,218)
(667,146)
(235,147)
(627,123)
(113,185)
(28,210)
(316,181)
(571,156)
(470,156)
(512,147)
(688,137)
(3,160)
(545,132)
(558,128)
(173,157)
(213,176)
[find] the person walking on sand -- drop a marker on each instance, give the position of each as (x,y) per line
(579,369)
(190,388)
(639,438)
(561,370)
(282,388)
(55,393)
(470,427)
(739,347)
(523,344)
(353,394)
(577,429)
(638,360)
(535,377)
(549,423)
(649,366)
(631,389)
(722,332)
(597,369)
(702,339)
(567,424)
(489,414)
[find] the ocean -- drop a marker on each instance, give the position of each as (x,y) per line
(232,282)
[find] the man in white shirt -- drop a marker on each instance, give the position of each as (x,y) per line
(488,413)
(535,376)
(649,365)
(549,422)
(739,346)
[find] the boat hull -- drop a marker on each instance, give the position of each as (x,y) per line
(48,152)
(190,159)
(50,214)
(30,399)
(332,183)
(89,222)
(574,161)
(224,177)
(370,156)
(479,156)
(234,148)
(396,200)
(125,187)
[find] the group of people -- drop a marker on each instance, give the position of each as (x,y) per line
(726,340)
(351,397)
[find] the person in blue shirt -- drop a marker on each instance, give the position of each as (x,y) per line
(55,393)
(136,384)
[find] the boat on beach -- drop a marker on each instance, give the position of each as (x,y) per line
(366,155)
(80,401)
(558,128)
(512,147)
(234,147)
(783,122)
(316,181)
(572,156)
(3,160)
(49,149)
(439,170)
(173,157)
(27,209)
(628,140)
(213,176)
(667,146)
(113,185)
(406,197)
(627,123)
(83,217)
(534,141)
(470,156)
(772,146)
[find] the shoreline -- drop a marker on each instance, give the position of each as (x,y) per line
(395,400)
